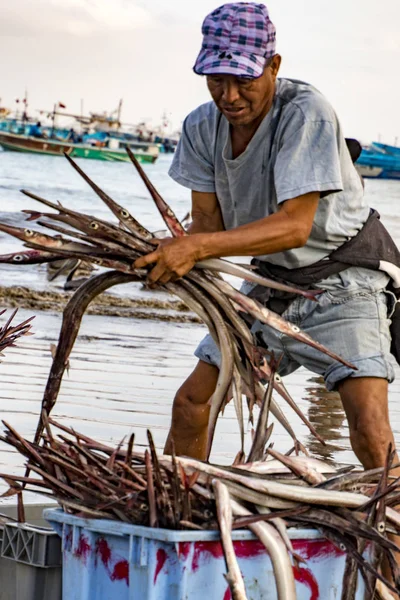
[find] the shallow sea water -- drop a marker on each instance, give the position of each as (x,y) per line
(124,372)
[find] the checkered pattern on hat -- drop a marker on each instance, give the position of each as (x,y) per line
(238,39)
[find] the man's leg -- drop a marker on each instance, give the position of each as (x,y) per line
(190,413)
(365,401)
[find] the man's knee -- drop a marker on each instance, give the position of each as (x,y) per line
(370,428)
(190,408)
(366,404)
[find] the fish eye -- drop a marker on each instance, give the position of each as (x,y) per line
(277,378)
(124,213)
(94,225)
(18,258)
(28,232)
(295,329)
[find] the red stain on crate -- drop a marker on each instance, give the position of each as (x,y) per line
(305,576)
(184,549)
(84,548)
(314,549)
(120,572)
(103,549)
(161,557)
(249,548)
(205,551)
(227,595)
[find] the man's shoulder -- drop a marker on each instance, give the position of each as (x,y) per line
(303,100)
(204,117)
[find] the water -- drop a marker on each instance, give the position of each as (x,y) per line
(124,372)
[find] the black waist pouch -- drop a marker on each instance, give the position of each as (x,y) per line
(395,325)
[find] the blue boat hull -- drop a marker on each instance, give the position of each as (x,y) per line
(379,161)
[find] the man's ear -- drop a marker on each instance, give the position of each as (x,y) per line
(275,64)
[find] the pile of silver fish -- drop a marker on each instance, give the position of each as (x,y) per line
(265,491)
(244,367)
(352,508)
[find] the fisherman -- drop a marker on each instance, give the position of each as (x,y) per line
(271,177)
(36,130)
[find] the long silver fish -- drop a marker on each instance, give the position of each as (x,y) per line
(275,321)
(302,470)
(284,491)
(119,211)
(170,219)
(31,236)
(28,257)
(227,361)
(89,224)
(225,266)
(224,514)
(284,578)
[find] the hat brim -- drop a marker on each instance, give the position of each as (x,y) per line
(241,64)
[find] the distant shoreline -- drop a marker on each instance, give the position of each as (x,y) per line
(106,304)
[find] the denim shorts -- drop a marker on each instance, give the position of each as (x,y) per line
(351,318)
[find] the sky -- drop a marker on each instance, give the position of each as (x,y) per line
(101,51)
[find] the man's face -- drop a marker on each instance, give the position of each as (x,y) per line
(243,100)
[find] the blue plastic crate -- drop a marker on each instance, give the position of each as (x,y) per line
(110,560)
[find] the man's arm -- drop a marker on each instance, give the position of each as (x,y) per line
(289,228)
(206,213)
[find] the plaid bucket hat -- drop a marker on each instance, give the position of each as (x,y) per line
(238,39)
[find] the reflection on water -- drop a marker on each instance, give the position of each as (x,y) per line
(326,413)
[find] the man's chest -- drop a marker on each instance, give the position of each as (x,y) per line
(245,189)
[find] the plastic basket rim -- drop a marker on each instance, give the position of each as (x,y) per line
(118,528)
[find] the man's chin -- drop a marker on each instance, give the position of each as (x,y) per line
(238,120)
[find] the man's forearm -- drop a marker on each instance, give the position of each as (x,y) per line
(275,233)
(288,228)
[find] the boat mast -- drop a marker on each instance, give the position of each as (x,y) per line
(119,112)
(53,118)
(25,110)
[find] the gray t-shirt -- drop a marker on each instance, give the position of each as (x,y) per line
(298,148)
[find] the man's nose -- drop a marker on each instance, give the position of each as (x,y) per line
(231,92)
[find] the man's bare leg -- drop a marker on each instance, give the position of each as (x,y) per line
(365,401)
(190,413)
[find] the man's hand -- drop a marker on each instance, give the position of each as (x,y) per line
(173,258)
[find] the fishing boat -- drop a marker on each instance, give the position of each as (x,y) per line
(108,150)
(379,161)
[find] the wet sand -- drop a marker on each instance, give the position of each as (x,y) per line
(107,304)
